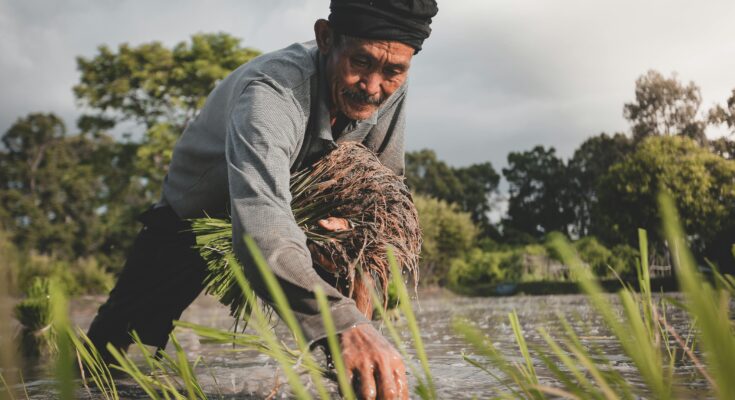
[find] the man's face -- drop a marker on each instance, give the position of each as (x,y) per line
(363,73)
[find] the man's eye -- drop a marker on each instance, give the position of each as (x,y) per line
(359,62)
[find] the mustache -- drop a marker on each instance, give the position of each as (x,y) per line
(360,96)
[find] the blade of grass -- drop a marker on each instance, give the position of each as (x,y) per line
(404,305)
(637,347)
(284,310)
(393,332)
(8,347)
(64,362)
(91,362)
(529,369)
(483,346)
(8,394)
(704,305)
(334,348)
(125,365)
(261,326)
(577,373)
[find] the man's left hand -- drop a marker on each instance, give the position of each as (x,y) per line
(334,224)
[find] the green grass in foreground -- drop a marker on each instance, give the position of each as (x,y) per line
(577,371)
(565,367)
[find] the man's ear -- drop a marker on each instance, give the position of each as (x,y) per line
(323,35)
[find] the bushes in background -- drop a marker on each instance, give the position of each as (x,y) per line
(447,234)
(537,262)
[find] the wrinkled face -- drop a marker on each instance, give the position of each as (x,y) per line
(363,73)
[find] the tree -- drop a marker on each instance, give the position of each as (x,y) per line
(428,175)
(590,162)
(157,88)
(665,107)
(724,116)
(471,188)
(538,193)
(718,115)
(151,84)
(51,186)
(701,183)
(479,183)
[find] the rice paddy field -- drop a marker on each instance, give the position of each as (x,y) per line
(246,374)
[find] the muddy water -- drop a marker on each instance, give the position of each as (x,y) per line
(231,373)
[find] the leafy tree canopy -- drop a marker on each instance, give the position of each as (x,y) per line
(701,183)
(52,185)
(590,161)
(537,193)
(471,187)
(665,107)
(724,115)
(150,83)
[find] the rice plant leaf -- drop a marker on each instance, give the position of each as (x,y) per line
(704,305)
(404,303)
(64,361)
(400,344)
(261,325)
(125,365)
(286,313)
(515,324)
(92,363)
(636,347)
(334,348)
(577,373)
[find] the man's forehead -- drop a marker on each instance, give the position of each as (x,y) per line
(394,51)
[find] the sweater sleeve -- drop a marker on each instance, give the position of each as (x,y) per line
(263,134)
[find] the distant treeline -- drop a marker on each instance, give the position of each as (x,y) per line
(68,200)
(601,195)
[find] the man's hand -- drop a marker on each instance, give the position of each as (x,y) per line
(374,367)
(334,224)
(362,283)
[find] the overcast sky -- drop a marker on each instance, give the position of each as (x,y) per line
(495,76)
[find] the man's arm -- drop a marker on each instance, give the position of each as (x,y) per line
(263,132)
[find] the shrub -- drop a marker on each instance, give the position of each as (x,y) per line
(624,259)
(476,267)
(447,234)
(594,254)
(82,276)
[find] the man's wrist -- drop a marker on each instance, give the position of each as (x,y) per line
(345,316)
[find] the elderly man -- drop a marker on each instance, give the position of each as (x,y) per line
(276,114)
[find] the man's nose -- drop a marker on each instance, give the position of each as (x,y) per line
(370,83)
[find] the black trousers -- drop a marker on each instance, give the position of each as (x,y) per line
(162,276)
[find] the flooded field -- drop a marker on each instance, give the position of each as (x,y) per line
(228,373)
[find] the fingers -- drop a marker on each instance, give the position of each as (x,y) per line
(388,388)
(391,377)
(334,224)
(364,383)
(376,368)
(399,374)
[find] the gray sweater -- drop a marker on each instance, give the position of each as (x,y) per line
(236,157)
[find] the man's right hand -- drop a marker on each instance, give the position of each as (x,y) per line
(373,365)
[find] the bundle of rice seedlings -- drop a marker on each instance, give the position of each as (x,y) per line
(349,183)
(37,336)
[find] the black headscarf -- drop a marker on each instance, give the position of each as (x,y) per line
(405,21)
